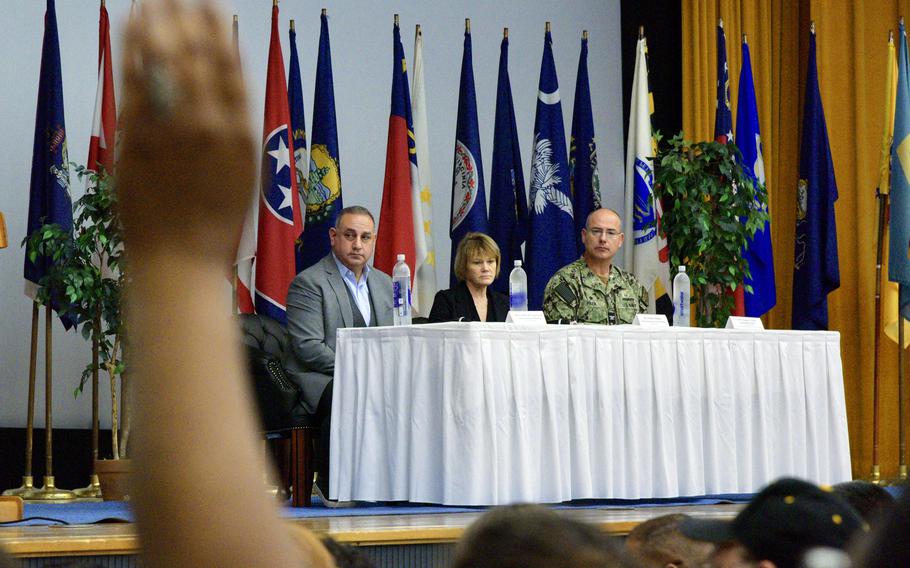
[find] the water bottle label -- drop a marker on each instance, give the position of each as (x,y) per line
(396,294)
(682,305)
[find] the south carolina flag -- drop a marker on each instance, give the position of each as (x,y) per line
(279,208)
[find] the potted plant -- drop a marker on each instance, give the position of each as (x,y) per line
(86,284)
(711,209)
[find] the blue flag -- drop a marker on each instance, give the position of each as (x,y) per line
(723,118)
(49,198)
(469,200)
(758,251)
(298,129)
(508,201)
(815,270)
(583,177)
(549,245)
(323,188)
(898,262)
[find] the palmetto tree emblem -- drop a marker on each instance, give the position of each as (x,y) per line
(545,179)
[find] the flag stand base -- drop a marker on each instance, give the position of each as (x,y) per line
(25,490)
(50,492)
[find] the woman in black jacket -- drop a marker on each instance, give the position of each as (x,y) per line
(472,299)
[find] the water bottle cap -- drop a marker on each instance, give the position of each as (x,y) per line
(517,263)
(400,257)
(682,268)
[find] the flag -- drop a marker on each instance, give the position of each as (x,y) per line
(104,121)
(550,220)
(815,270)
(279,208)
(508,201)
(469,200)
(49,197)
(648,256)
(758,250)
(890,291)
(298,129)
(723,128)
(323,189)
(898,263)
(396,219)
(245,259)
(583,178)
(421,202)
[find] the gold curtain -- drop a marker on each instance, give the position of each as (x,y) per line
(851,41)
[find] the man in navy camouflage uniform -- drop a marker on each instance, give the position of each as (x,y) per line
(591,289)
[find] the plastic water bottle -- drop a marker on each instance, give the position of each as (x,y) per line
(401,293)
(518,288)
(682,292)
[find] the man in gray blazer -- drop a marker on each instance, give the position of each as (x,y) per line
(341,290)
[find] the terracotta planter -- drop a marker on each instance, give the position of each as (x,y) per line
(114,476)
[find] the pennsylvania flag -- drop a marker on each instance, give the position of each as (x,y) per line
(898,262)
(49,198)
(323,190)
(469,200)
(279,207)
(508,201)
(549,245)
(396,218)
(583,178)
(815,271)
(758,250)
(298,128)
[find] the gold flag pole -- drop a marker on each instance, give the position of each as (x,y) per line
(49,492)
(396,19)
(584,35)
(28,484)
(467,25)
(505,33)
(546,27)
(93,490)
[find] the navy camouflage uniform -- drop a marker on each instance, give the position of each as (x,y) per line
(575,293)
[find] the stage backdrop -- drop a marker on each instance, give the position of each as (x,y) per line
(361,33)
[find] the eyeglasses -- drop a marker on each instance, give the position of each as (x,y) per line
(609,233)
(352,236)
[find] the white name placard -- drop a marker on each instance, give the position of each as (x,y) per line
(744,324)
(651,320)
(526,318)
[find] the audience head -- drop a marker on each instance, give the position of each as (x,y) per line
(602,235)
(353,237)
(782,522)
(871,501)
(477,260)
(658,543)
(888,544)
(531,536)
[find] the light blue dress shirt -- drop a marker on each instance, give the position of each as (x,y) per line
(359,290)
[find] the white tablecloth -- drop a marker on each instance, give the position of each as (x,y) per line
(485,413)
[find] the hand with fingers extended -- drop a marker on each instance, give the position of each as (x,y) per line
(186,166)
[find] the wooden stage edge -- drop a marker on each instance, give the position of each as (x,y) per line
(364,530)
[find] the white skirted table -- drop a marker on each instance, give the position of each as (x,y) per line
(492,413)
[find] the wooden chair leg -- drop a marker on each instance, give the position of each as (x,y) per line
(301,466)
(281,453)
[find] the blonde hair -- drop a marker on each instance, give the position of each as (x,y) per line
(475,245)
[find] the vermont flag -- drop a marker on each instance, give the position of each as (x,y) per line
(583,178)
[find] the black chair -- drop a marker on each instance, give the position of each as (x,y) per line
(290,433)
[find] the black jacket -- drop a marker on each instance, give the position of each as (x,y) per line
(456,303)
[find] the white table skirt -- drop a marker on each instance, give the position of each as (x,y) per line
(486,413)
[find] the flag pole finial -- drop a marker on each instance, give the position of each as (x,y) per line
(890,36)
(274,3)
(292,26)
(720,22)
(547,27)
(902,20)
(236,17)
(417,30)
(467,25)
(323,10)
(505,33)
(745,39)
(641,32)
(102,3)
(584,35)
(812,27)
(396,19)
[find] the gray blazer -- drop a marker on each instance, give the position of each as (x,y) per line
(317,306)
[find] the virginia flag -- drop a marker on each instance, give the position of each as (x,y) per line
(469,200)
(49,198)
(104,121)
(396,220)
(583,178)
(508,201)
(815,271)
(898,263)
(421,202)
(550,246)
(758,250)
(890,290)
(298,127)
(323,191)
(279,207)
(648,256)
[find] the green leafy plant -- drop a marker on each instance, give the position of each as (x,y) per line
(712,207)
(85,283)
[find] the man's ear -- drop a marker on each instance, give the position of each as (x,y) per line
(332,234)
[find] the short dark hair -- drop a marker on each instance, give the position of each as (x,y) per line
(871,501)
(658,542)
(354,210)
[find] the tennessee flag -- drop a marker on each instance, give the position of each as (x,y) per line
(104,121)
(279,208)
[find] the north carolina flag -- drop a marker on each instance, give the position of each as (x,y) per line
(396,219)
(104,121)
(279,208)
